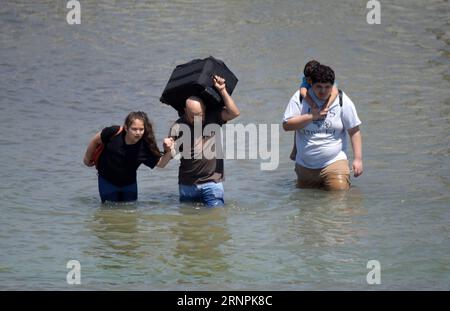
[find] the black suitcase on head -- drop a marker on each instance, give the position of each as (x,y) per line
(195,78)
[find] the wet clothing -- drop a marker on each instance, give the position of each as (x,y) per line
(201,170)
(210,193)
(335,176)
(119,161)
(197,167)
(112,193)
(322,142)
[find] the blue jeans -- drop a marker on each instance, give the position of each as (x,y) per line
(113,193)
(210,194)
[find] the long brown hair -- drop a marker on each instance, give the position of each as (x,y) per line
(149,135)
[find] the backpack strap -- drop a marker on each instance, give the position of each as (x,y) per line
(98,151)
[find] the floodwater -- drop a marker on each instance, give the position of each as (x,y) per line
(61,83)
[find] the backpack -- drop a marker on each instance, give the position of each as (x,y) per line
(340,97)
(98,151)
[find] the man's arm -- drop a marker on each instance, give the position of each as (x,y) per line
(299,122)
(355,137)
(230,110)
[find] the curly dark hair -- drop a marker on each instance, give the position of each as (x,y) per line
(322,74)
(309,67)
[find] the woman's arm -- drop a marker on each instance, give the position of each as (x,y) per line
(95,141)
(164,160)
(168,144)
(355,137)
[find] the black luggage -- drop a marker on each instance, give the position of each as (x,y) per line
(195,78)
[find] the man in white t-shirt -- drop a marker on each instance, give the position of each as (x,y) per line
(321,135)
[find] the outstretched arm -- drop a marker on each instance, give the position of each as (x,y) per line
(95,141)
(164,160)
(355,137)
(168,145)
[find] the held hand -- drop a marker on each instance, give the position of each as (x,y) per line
(168,144)
(357,168)
(319,114)
(219,83)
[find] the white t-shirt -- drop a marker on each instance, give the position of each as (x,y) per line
(322,142)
